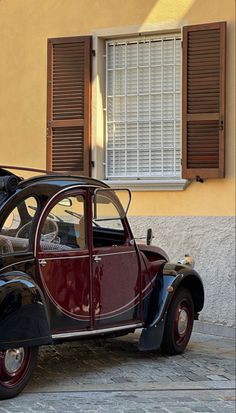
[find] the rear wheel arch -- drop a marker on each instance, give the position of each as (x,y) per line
(24,315)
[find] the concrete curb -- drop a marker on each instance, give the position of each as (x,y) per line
(214,329)
(117,387)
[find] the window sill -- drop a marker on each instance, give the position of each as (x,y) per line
(149,184)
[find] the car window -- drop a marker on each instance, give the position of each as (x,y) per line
(64,226)
(108,215)
(15,231)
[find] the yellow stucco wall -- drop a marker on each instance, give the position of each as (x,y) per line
(26,25)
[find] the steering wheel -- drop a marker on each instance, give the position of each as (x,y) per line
(49,231)
(5,246)
(24,231)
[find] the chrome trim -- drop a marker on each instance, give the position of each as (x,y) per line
(93,332)
(114,253)
(42,262)
(16,263)
(186,260)
(13,359)
(65,258)
(182,321)
(96,258)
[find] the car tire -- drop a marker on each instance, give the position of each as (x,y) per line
(16,367)
(179,323)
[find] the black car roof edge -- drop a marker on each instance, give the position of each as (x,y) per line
(51,177)
(5,172)
(48,175)
(22,168)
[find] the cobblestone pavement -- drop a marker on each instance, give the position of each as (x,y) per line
(109,376)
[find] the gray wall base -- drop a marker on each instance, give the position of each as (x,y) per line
(211,242)
(214,329)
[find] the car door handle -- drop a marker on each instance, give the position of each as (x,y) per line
(42,262)
(96,258)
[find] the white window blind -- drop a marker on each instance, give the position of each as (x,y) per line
(143,83)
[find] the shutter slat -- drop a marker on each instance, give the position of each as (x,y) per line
(68,149)
(69,66)
(204,49)
(72,96)
(201,152)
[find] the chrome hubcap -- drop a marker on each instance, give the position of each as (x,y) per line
(182,322)
(13,359)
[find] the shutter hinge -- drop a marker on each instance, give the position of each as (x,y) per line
(93,164)
(182,44)
(199,179)
(221,125)
(47,133)
(93,52)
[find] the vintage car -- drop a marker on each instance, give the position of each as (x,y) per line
(70,268)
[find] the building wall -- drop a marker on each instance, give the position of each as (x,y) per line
(197,220)
(210,240)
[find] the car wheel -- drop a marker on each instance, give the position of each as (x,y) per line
(16,367)
(179,323)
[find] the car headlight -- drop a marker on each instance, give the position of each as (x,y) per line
(187,260)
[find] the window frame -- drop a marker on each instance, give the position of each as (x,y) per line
(161,146)
(115,201)
(99,107)
(46,213)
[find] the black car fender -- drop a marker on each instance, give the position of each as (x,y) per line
(23,315)
(173,277)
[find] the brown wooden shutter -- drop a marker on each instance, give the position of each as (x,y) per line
(203,122)
(69,105)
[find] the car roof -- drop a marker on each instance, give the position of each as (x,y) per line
(49,177)
(61,180)
(48,183)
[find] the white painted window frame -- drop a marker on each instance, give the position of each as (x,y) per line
(99,106)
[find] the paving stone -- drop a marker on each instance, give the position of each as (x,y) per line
(217,377)
(203,409)
(106,376)
(195,377)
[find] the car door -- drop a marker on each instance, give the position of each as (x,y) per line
(64,262)
(115,264)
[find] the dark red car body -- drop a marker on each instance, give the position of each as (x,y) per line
(111,286)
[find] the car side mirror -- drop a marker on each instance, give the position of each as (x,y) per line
(149,236)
